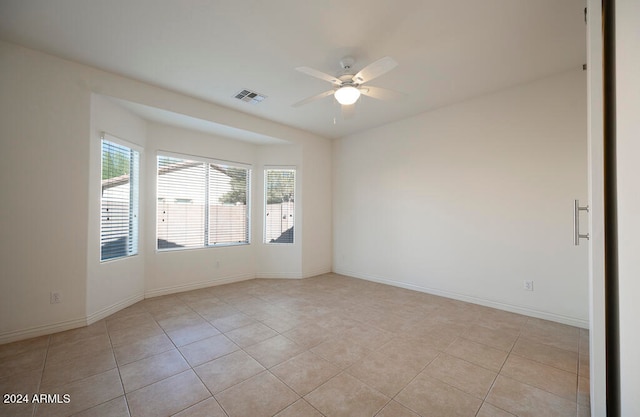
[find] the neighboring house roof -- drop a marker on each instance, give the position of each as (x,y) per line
(123,179)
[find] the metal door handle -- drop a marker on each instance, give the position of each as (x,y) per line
(576,222)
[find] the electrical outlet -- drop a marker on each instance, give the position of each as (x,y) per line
(55,297)
(528,285)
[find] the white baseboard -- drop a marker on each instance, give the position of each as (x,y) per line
(294,275)
(317,271)
(42,330)
(197,285)
(107,311)
(278,275)
(571,321)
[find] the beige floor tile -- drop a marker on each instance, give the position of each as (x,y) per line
(224,372)
(60,373)
(142,348)
(262,395)
(390,323)
(204,303)
(345,396)
(133,320)
(377,336)
(549,355)
(339,323)
(65,352)
(22,362)
(208,349)
(552,334)
(146,371)
(189,334)
(341,352)
(130,335)
(583,342)
(465,376)
(477,353)
(127,311)
(178,321)
(218,311)
(113,408)
(584,410)
(553,380)
(251,334)
(499,339)
(488,410)
(281,324)
(308,335)
(23,346)
(305,372)
(84,394)
(525,400)
(395,409)
(502,320)
(231,322)
(96,329)
(175,310)
(273,351)
(583,366)
(385,374)
(418,354)
(300,408)
(24,383)
(163,303)
(206,408)
(432,398)
(584,395)
(435,338)
(367,336)
(168,396)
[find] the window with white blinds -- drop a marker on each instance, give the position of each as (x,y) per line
(119,201)
(201,203)
(280,185)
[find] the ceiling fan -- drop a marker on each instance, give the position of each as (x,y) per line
(348,86)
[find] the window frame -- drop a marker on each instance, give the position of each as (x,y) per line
(208,161)
(294,169)
(134,196)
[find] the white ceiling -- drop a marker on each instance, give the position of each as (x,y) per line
(447,50)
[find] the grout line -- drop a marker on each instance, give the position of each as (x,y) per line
(495,379)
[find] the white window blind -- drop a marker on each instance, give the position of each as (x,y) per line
(119,201)
(280,185)
(201,203)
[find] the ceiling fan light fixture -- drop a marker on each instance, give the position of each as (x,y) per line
(347,95)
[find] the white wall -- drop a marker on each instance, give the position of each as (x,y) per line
(628,160)
(44,177)
(317,195)
(470,200)
(46,166)
(113,284)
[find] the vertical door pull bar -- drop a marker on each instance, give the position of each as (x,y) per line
(576,222)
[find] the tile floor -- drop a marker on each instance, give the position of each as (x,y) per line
(323,346)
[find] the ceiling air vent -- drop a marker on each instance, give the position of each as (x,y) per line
(249,96)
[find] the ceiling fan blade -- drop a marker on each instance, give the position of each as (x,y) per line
(380,93)
(313,98)
(374,70)
(319,74)
(348,111)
